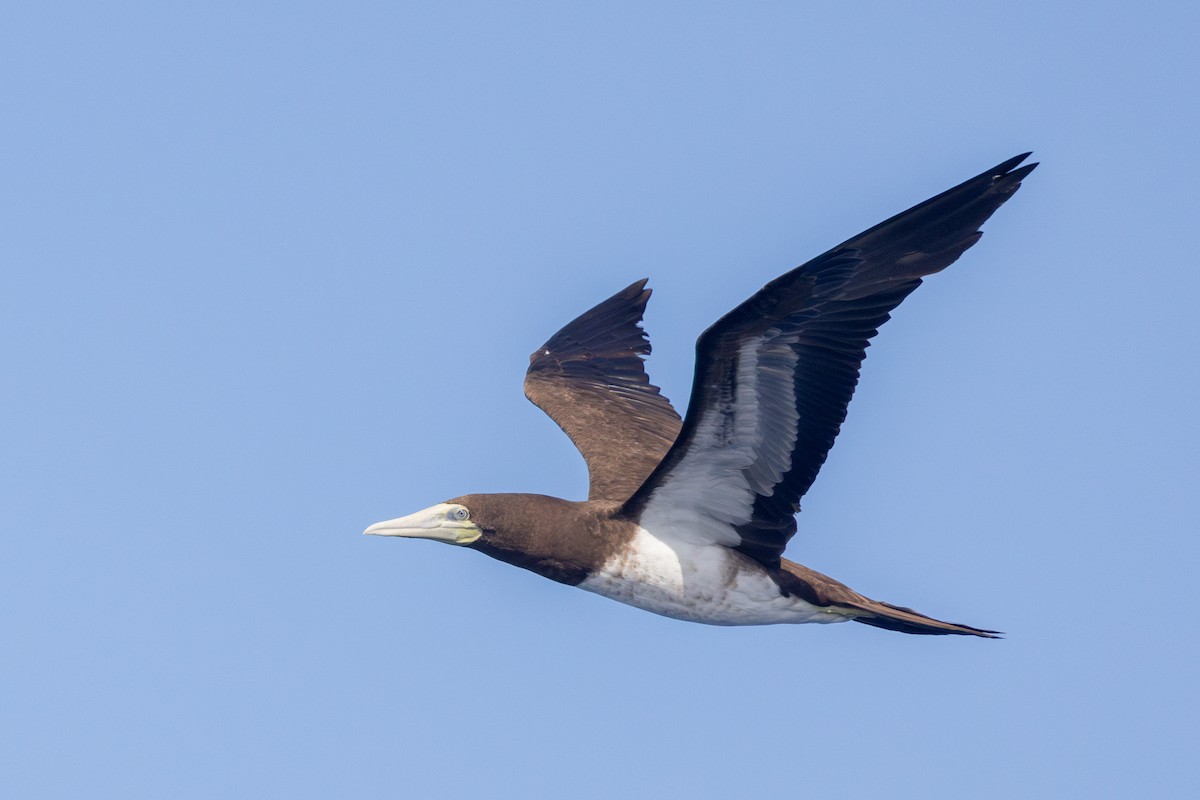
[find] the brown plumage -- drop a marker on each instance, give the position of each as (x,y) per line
(590,378)
(690,518)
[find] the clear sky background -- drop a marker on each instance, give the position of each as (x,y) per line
(271,272)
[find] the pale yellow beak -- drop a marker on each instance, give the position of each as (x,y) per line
(445,522)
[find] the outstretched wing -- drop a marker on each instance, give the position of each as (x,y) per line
(774,376)
(590,378)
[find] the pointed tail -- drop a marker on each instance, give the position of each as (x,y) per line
(824,591)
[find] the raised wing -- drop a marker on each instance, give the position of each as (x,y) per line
(775,375)
(590,378)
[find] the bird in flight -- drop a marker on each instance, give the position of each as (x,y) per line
(689,518)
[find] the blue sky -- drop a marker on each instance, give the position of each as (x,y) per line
(272,271)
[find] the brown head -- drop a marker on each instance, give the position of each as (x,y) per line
(556,538)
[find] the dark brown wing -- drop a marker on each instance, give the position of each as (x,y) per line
(775,375)
(590,378)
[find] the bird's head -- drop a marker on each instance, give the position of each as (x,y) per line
(446,522)
(530,531)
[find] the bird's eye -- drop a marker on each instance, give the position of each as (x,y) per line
(460,514)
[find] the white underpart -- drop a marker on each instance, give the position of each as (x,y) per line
(699,583)
(680,563)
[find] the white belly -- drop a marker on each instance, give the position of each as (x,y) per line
(698,583)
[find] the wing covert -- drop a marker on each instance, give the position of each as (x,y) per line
(590,378)
(774,377)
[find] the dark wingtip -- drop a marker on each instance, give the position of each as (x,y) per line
(1008,166)
(633,290)
(1017,174)
(1008,172)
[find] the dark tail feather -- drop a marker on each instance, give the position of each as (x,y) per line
(905,620)
(824,591)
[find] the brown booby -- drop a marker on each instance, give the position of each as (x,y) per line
(690,518)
